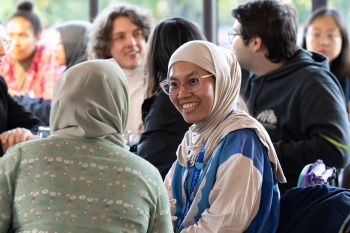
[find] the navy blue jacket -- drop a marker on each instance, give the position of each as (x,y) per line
(297,103)
(319,208)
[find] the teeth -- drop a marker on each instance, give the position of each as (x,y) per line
(189,105)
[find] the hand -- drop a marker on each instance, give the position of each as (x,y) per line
(14,136)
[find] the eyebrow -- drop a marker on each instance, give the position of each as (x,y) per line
(186,75)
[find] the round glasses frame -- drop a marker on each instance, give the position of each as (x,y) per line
(165,85)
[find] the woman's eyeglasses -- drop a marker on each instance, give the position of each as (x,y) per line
(193,83)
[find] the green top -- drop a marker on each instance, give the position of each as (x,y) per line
(71,185)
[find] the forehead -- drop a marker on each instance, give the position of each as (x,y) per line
(19,24)
(324,22)
(123,24)
(182,69)
(236,26)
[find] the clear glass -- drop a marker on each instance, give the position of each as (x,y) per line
(132,138)
(44,131)
(173,87)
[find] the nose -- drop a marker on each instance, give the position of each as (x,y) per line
(131,40)
(324,40)
(184,92)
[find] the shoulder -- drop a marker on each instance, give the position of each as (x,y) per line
(125,158)
(241,139)
(244,142)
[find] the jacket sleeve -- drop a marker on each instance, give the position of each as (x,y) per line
(8,168)
(322,110)
(232,207)
(17,115)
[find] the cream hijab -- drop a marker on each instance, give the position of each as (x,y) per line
(91,101)
(223,64)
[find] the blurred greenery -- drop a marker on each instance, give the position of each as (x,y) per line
(57,11)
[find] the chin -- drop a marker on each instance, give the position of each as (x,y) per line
(191,120)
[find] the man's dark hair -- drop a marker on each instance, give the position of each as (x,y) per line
(275,23)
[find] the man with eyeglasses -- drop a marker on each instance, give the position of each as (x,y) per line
(15,121)
(291,91)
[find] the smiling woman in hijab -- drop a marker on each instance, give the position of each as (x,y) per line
(82,178)
(226,173)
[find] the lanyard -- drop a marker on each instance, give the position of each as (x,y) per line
(196,172)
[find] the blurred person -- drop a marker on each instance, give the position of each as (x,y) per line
(226,173)
(325,32)
(164,125)
(73,40)
(121,32)
(15,122)
(82,178)
(69,50)
(291,92)
(28,69)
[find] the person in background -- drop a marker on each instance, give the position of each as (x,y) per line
(164,125)
(325,32)
(226,173)
(291,92)
(82,178)
(121,32)
(29,69)
(15,122)
(69,50)
(73,40)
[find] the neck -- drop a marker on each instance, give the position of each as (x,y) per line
(266,66)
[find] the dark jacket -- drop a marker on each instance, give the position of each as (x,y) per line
(297,103)
(319,208)
(38,106)
(13,115)
(345,84)
(164,130)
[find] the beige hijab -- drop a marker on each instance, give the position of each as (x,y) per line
(91,101)
(223,64)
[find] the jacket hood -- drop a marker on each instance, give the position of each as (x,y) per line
(300,59)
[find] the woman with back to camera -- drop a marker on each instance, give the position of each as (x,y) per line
(325,32)
(226,173)
(82,178)
(164,125)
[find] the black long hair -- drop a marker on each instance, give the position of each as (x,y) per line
(166,37)
(340,66)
